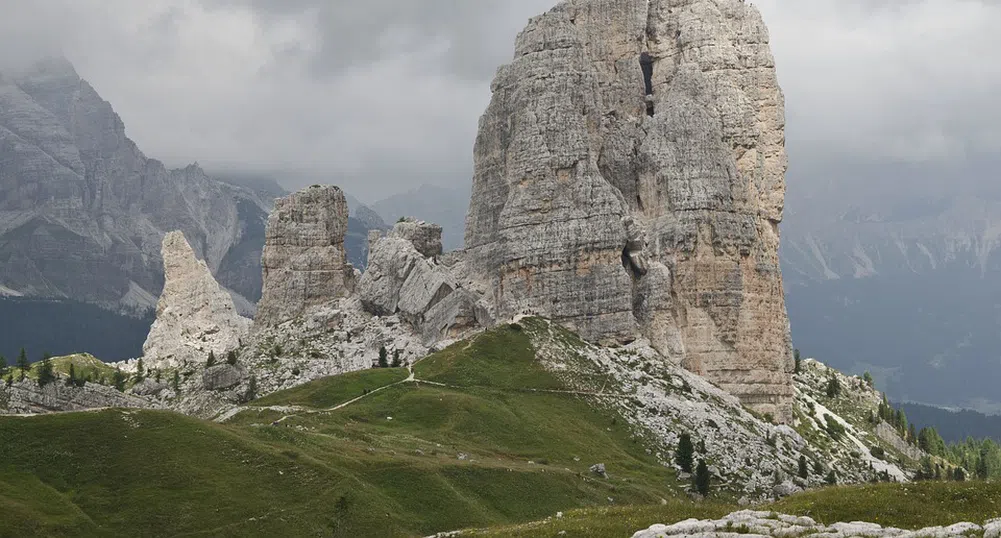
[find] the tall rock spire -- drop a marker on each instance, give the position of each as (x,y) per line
(194,315)
(629,180)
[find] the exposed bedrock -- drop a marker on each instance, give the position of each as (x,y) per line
(629,180)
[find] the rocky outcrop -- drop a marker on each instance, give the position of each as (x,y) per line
(222,376)
(772,524)
(194,316)
(26,397)
(304,263)
(624,119)
(83,210)
(406,277)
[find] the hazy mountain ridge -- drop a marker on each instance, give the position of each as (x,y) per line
(900,280)
(83,210)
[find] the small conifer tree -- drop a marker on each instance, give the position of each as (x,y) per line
(702,478)
(46,374)
(867,377)
(140,371)
(252,388)
(799,362)
(211,361)
(804,471)
(119,380)
(832,478)
(833,387)
(383,357)
(231,358)
(396,359)
(23,364)
(71,380)
(177,381)
(684,457)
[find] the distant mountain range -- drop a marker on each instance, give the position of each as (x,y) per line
(898,271)
(83,212)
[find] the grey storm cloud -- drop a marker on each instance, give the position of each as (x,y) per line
(384,95)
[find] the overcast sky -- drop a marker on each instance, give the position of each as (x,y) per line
(383,95)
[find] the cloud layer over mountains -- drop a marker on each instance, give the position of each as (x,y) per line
(383,95)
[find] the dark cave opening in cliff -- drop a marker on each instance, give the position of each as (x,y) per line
(646,64)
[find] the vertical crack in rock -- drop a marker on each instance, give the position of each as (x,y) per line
(567,154)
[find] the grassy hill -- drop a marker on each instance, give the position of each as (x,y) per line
(409,460)
(480,437)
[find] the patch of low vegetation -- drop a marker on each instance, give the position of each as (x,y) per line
(333,391)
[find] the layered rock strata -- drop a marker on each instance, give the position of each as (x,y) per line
(304,261)
(629,180)
(194,316)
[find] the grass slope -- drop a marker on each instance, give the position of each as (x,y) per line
(906,506)
(409,460)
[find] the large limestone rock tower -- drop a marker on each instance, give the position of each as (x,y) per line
(629,181)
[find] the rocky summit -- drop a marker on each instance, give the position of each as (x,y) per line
(194,315)
(304,261)
(629,180)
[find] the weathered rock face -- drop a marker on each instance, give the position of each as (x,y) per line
(304,262)
(405,277)
(630,180)
(772,524)
(194,315)
(83,210)
(26,397)
(222,376)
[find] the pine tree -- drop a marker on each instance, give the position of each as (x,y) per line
(177,382)
(818,468)
(383,357)
(912,437)
(252,388)
(46,374)
(983,472)
(702,478)
(804,472)
(140,372)
(799,362)
(211,361)
(231,358)
(832,478)
(959,475)
(71,380)
(685,454)
(833,387)
(867,377)
(396,358)
(3,365)
(119,380)
(23,364)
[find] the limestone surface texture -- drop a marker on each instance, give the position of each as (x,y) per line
(405,276)
(27,398)
(194,315)
(629,181)
(755,524)
(304,261)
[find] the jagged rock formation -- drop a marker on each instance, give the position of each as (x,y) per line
(304,262)
(771,524)
(83,210)
(619,118)
(406,276)
(194,316)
